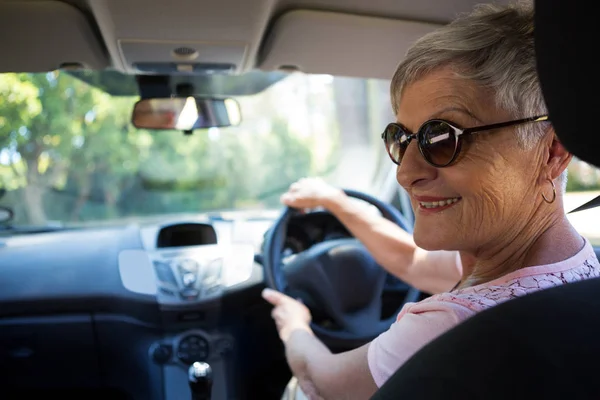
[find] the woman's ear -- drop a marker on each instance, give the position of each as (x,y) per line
(558,156)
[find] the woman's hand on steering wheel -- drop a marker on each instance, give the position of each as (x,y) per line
(289,314)
(310,193)
(341,275)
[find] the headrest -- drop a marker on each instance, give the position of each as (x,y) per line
(565,47)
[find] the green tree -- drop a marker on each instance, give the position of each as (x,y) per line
(74,155)
(59,132)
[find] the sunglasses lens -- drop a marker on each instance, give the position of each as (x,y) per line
(438,142)
(395,142)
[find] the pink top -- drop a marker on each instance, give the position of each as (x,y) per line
(419,323)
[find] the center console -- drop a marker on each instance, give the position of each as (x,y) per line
(179,352)
(197,274)
(186,276)
(189,284)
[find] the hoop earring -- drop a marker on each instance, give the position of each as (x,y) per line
(553,193)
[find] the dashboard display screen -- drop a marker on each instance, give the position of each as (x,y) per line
(181,235)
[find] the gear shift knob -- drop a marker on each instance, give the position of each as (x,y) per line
(200,380)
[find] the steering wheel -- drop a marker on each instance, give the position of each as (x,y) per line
(340,276)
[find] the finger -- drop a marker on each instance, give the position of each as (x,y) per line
(286,198)
(273,296)
(275,314)
(292,197)
(278,326)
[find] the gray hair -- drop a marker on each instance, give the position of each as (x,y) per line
(493,46)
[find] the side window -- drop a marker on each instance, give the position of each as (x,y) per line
(583,184)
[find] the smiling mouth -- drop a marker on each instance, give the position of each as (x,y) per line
(438,204)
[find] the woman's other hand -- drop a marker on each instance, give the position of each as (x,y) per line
(311,193)
(289,314)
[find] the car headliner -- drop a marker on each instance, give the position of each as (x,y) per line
(338,37)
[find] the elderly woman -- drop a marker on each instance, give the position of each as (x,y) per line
(476,153)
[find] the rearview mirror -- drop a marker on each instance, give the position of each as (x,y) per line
(185,113)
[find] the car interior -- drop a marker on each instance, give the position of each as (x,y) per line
(139,190)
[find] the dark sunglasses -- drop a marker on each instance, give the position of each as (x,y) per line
(439,141)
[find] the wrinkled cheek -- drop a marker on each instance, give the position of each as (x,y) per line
(484,213)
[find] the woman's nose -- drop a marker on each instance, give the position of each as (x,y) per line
(413,168)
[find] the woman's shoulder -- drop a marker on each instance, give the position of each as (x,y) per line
(516,284)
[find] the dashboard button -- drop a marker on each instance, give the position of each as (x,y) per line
(185,357)
(213,290)
(187,265)
(192,348)
(166,291)
(164,273)
(189,294)
(189,279)
(214,267)
(212,273)
(162,353)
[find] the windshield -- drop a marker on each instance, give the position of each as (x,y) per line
(69,153)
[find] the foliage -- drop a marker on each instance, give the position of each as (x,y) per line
(582,177)
(69,153)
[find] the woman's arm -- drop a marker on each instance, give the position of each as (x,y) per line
(393,248)
(356,374)
(320,373)
(323,375)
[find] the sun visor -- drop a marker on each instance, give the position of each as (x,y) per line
(355,45)
(45,35)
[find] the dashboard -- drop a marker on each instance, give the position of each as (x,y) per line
(131,307)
